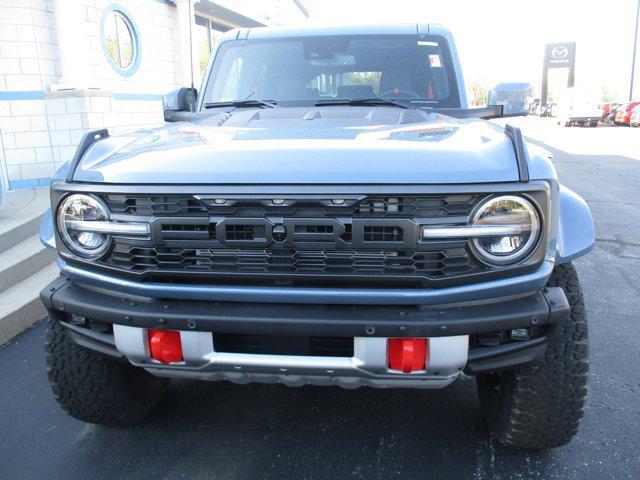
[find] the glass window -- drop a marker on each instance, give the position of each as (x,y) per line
(413,68)
(119,40)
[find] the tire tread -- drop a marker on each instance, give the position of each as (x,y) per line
(540,406)
(94,388)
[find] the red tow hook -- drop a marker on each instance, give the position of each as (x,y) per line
(407,354)
(165,345)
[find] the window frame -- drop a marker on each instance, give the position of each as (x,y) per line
(118,9)
(454,100)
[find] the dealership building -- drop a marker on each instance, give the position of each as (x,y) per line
(70,66)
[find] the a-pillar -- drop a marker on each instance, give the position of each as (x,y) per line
(189,67)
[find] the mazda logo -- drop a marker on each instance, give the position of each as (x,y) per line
(560,52)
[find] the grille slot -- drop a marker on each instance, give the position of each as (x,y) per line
(186,229)
(244,232)
(314,229)
(183,228)
(283,345)
(383,234)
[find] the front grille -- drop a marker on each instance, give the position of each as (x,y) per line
(439,263)
(283,345)
(310,240)
(424,206)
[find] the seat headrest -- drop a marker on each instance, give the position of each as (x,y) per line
(397,79)
(355,91)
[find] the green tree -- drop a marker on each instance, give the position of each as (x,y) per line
(609,94)
(479,94)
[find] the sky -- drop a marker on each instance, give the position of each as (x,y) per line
(501,41)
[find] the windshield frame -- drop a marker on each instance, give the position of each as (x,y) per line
(454,100)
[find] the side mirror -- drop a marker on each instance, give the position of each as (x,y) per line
(180,103)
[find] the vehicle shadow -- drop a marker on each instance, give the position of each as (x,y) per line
(222,430)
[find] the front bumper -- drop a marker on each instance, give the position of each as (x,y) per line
(449,327)
(482,290)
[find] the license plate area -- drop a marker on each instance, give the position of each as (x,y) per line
(283,345)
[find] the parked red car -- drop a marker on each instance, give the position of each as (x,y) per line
(623,115)
(635,116)
(606,109)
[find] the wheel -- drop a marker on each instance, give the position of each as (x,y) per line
(540,405)
(94,388)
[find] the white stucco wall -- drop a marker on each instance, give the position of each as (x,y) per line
(40,129)
(28,53)
(159,69)
(54,88)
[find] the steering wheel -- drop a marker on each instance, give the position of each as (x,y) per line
(398,93)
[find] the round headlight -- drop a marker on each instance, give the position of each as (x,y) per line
(82,208)
(515,214)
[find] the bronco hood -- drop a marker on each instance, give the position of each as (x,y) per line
(327,145)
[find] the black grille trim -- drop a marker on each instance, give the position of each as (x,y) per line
(185,204)
(402,206)
(347,240)
(379,265)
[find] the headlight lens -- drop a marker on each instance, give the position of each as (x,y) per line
(77,208)
(508,211)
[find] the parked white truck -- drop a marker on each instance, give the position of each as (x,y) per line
(579,106)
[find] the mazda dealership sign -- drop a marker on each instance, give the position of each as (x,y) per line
(558,55)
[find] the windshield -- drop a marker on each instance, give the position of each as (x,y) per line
(415,69)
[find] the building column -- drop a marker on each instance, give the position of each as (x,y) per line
(72,45)
(186,26)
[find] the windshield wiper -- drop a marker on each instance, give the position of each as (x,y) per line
(242,103)
(359,101)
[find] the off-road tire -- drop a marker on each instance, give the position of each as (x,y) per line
(94,388)
(540,405)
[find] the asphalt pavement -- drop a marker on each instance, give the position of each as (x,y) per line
(226,431)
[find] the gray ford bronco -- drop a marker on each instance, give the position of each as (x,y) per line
(330,213)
